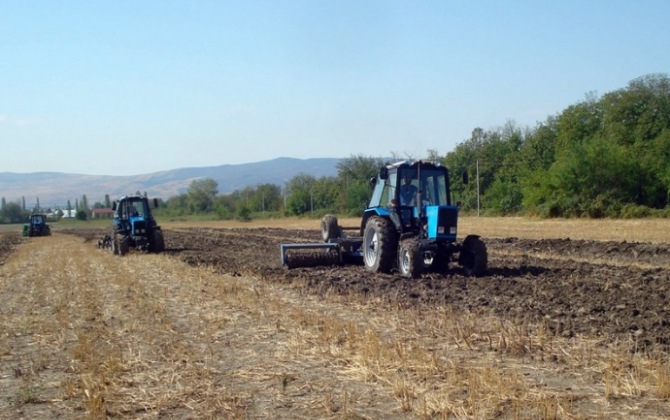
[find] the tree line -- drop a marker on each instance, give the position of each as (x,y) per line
(19,211)
(347,193)
(605,156)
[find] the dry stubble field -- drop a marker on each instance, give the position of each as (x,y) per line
(570,322)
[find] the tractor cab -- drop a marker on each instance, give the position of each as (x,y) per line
(132,207)
(416,197)
(37,220)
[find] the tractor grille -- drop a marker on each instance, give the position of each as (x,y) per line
(139,228)
(447,223)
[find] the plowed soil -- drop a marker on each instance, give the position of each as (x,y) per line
(611,290)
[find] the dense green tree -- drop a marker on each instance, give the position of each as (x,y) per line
(81,214)
(243,211)
(266,197)
(225,206)
(300,197)
(358,168)
(12,213)
(83,205)
(176,205)
(200,195)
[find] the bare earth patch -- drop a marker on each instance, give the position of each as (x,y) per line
(216,328)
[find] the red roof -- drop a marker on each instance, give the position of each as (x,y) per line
(103,211)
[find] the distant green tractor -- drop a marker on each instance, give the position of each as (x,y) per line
(37,226)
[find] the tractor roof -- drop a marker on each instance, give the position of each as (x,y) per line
(132,197)
(413,163)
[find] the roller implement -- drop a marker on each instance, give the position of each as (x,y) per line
(410,225)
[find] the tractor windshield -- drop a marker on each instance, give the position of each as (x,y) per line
(402,187)
(433,187)
(135,208)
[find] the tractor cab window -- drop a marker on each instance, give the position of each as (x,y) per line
(135,209)
(37,220)
(384,193)
(389,192)
(433,188)
(409,186)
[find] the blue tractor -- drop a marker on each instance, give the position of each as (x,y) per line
(134,227)
(410,224)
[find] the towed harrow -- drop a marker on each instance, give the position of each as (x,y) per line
(334,251)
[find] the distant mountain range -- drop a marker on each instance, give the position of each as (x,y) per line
(54,189)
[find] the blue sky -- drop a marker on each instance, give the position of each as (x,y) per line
(134,87)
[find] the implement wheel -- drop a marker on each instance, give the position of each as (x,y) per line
(380,245)
(329,228)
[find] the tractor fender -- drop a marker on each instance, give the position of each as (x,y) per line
(375,211)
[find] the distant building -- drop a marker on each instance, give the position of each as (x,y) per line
(69,214)
(103,213)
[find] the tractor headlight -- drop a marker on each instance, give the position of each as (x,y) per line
(440,230)
(452,230)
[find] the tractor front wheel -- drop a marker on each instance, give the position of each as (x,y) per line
(410,259)
(120,244)
(473,257)
(380,245)
(158,244)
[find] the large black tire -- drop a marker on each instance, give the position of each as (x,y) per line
(158,243)
(473,257)
(380,245)
(329,228)
(410,259)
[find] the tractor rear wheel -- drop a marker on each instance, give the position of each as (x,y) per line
(380,245)
(329,228)
(473,257)
(410,259)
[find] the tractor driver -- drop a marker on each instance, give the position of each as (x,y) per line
(407,192)
(132,211)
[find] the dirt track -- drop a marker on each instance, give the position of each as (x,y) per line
(615,290)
